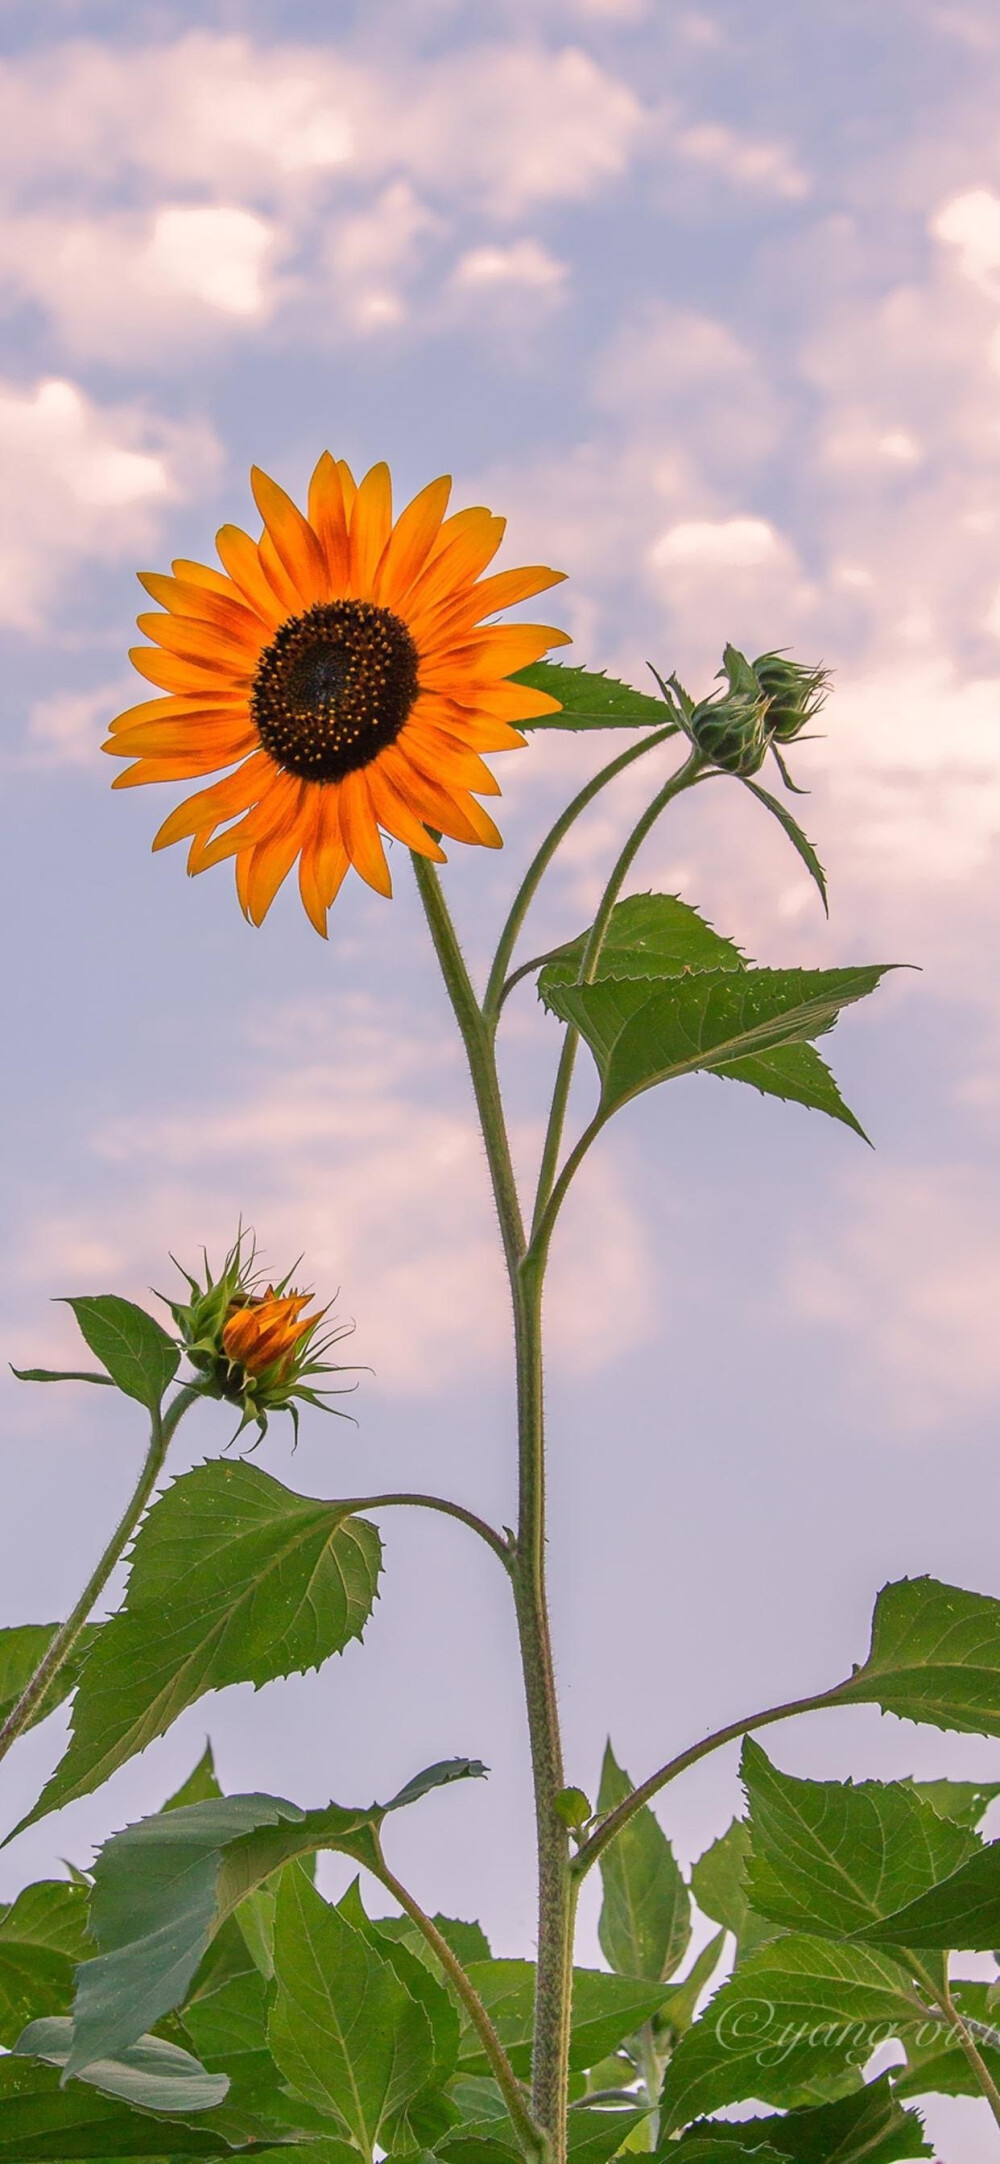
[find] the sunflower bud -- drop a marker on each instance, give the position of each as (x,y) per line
(794,692)
(731,729)
(256,1345)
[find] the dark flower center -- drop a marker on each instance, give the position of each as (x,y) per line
(334,688)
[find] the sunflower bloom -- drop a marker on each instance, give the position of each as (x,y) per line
(344,669)
(260,1349)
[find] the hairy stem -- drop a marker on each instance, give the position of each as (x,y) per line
(497,988)
(488,1533)
(61,1645)
(611,1826)
(555,1885)
(529,2135)
(963,2036)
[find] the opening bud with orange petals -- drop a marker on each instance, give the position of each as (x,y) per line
(259,1345)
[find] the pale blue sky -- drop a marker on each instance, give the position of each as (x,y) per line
(706,299)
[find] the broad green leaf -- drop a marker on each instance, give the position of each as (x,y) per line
(648,936)
(201,1785)
(344,2031)
(605,2009)
(718,1882)
(426,2116)
(51,1913)
(21,1649)
(468,1941)
(829,1857)
(967,1802)
(800,842)
(868,2127)
(139,1356)
(678,2010)
(645,1920)
(164,1887)
(593,2135)
(234,1579)
(591,700)
(225,2022)
(42,1935)
(799,1075)
(39,2120)
(701,1022)
(61,1375)
(935,1656)
(151,2074)
(962,1912)
(794,2015)
(934,2062)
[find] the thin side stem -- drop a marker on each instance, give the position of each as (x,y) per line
(496,989)
(61,1645)
(611,1826)
(683,778)
(529,2135)
(962,2034)
(488,1533)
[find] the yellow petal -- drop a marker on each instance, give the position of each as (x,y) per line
(328,518)
(296,545)
(410,543)
(359,828)
(241,558)
(201,642)
(173,673)
(394,814)
(222,801)
(371,523)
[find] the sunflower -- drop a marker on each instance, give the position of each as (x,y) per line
(343,668)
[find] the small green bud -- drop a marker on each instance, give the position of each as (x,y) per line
(731,729)
(574,1808)
(794,692)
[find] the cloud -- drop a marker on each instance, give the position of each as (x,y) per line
(521,263)
(746,162)
(66,728)
(82,480)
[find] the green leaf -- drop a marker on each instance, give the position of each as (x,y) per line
(225,2022)
(701,1023)
(234,1579)
(645,1921)
(605,2009)
(60,1375)
(39,2120)
(962,1912)
(51,1913)
(22,1647)
(868,2127)
(152,2074)
(648,936)
(344,2031)
(833,1858)
(201,1785)
(426,2115)
(486,2133)
(800,842)
(794,2015)
(42,1935)
(139,1356)
(591,700)
(678,2010)
(967,1802)
(934,2062)
(440,1775)
(935,1656)
(467,1941)
(798,1074)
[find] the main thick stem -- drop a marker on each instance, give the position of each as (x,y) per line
(66,1637)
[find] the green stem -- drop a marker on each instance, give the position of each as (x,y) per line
(963,2037)
(61,1645)
(683,778)
(529,2135)
(611,1826)
(555,1885)
(497,988)
(488,1533)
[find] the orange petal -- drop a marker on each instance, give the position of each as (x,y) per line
(241,557)
(270,864)
(513,702)
(295,543)
(455,764)
(348,485)
(410,542)
(278,811)
(171,767)
(328,519)
(460,612)
(495,650)
(228,612)
(175,706)
(219,735)
(455,567)
(173,673)
(214,582)
(394,814)
(285,591)
(371,524)
(198,641)
(463,821)
(359,828)
(222,801)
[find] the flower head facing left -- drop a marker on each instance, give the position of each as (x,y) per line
(344,669)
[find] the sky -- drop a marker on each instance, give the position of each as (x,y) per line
(706,301)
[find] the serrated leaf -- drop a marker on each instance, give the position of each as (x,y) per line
(798,1074)
(935,1656)
(701,1023)
(960,1913)
(139,1356)
(234,1579)
(42,1935)
(40,2120)
(648,936)
(678,2011)
(868,2127)
(225,2022)
(201,1785)
(150,2074)
(467,1941)
(60,1375)
(967,1802)
(829,1857)
(427,2115)
(800,842)
(645,1921)
(22,1647)
(590,700)
(795,2013)
(344,2031)
(605,2009)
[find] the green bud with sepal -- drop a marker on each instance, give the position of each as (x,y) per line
(794,692)
(731,728)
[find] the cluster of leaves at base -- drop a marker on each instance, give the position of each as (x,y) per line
(197,1996)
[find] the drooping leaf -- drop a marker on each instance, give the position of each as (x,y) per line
(234,1579)
(591,700)
(139,1356)
(703,1022)
(800,842)
(648,936)
(438,1776)
(40,2121)
(151,2074)
(645,1921)
(868,2127)
(60,1375)
(829,1857)
(935,1656)
(606,2008)
(344,2031)
(794,2015)
(22,1647)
